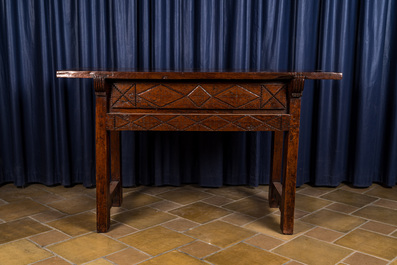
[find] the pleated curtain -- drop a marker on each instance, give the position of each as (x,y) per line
(348,127)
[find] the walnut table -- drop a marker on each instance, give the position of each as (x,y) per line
(198,101)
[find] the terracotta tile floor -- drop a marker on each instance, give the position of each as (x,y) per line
(193,225)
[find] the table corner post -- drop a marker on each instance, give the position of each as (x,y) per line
(102,160)
(291,155)
(116,177)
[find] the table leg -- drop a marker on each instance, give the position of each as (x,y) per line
(102,166)
(276,163)
(115,168)
(291,145)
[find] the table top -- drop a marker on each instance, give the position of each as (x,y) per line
(232,75)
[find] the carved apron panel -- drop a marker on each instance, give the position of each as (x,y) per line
(190,95)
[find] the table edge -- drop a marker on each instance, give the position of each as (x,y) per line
(197,75)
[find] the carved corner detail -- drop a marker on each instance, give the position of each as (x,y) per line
(297,85)
(100,84)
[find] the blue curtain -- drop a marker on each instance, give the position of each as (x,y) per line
(348,127)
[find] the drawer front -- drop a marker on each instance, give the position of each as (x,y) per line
(198,95)
(197,122)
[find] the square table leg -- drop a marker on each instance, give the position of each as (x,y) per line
(116,189)
(102,165)
(276,164)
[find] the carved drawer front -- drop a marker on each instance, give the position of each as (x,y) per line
(197,122)
(194,95)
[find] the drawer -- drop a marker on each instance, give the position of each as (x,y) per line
(198,95)
(197,122)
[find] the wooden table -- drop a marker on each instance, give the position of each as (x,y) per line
(198,101)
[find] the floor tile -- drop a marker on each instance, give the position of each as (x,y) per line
(127,257)
(74,205)
(48,216)
(262,195)
(19,229)
(86,248)
(115,210)
(363,259)
(238,219)
(184,196)
(218,200)
(297,213)
(199,249)
(173,258)
(386,203)
(264,241)
(180,225)
(165,206)
(381,214)
(355,189)
(48,238)
(200,212)
(309,204)
(294,262)
(234,192)
(371,243)
(350,198)
(76,225)
(341,207)
(143,217)
(263,188)
(334,220)
(242,254)
(313,251)
(53,261)
(313,191)
(138,199)
(67,192)
(270,225)
(118,230)
(146,208)
(251,206)
(220,233)
(156,240)
(324,234)
(21,252)
(385,193)
(13,194)
(20,209)
(379,227)
(155,190)
(100,261)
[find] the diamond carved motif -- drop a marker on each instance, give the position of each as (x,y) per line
(147,122)
(180,122)
(192,122)
(214,122)
(236,96)
(248,123)
(160,95)
(199,96)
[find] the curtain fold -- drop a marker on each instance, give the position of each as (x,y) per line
(348,127)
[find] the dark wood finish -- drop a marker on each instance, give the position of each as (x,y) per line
(117,192)
(102,156)
(276,170)
(198,95)
(198,101)
(197,122)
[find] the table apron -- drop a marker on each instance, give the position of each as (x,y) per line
(197,122)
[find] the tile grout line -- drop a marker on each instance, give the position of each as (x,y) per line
(367,220)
